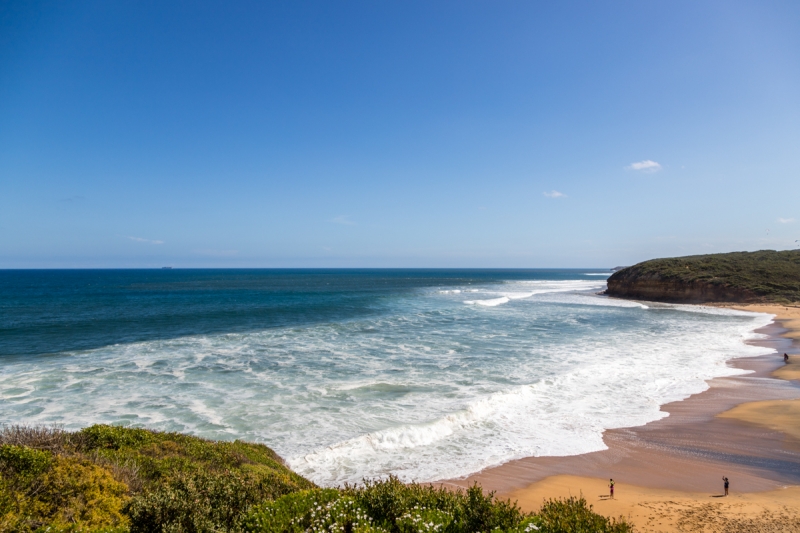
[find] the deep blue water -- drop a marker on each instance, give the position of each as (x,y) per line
(50,311)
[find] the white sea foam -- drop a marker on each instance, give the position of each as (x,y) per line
(525,289)
(491,302)
(561,415)
(593,300)
(430,391)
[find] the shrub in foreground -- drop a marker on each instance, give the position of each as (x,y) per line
(389,506)
(389,503)
(573,515)
(392,507)
(38,489)
(108,479)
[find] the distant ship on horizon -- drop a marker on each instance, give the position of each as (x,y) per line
(166,268)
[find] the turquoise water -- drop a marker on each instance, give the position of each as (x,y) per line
(427,374)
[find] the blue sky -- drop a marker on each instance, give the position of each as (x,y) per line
(405,134)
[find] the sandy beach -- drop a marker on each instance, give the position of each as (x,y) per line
(663,510)
(668,473)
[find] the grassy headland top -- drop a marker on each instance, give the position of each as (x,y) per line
(109,479)
(763,276)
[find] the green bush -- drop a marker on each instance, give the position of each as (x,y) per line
(116,437)
(424,520)
(189,503)
(572,515)
(389,502)
(317,511)
(292,513)
(23,461)
(388,506)
(191,484)
(63,493)
(108,479)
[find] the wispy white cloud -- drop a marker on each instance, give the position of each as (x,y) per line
(344,220)
(147,241)
(554,194)
(785,220)
(645,166)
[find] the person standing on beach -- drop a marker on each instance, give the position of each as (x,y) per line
(786,358)
(611,488)
(727,483)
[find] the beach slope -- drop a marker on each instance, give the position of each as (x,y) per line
(668,473)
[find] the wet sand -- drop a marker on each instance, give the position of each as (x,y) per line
(743,427)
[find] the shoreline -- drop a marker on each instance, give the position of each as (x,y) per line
(741,427)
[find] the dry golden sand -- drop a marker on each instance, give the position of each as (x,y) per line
(660,508)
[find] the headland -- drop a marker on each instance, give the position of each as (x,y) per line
(761,277)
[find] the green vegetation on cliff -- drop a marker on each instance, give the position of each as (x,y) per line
(106,478)
(109,479)
(764,276)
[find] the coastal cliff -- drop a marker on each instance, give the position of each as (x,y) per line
(746,277)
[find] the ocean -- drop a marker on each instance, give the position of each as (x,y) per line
(353,374)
